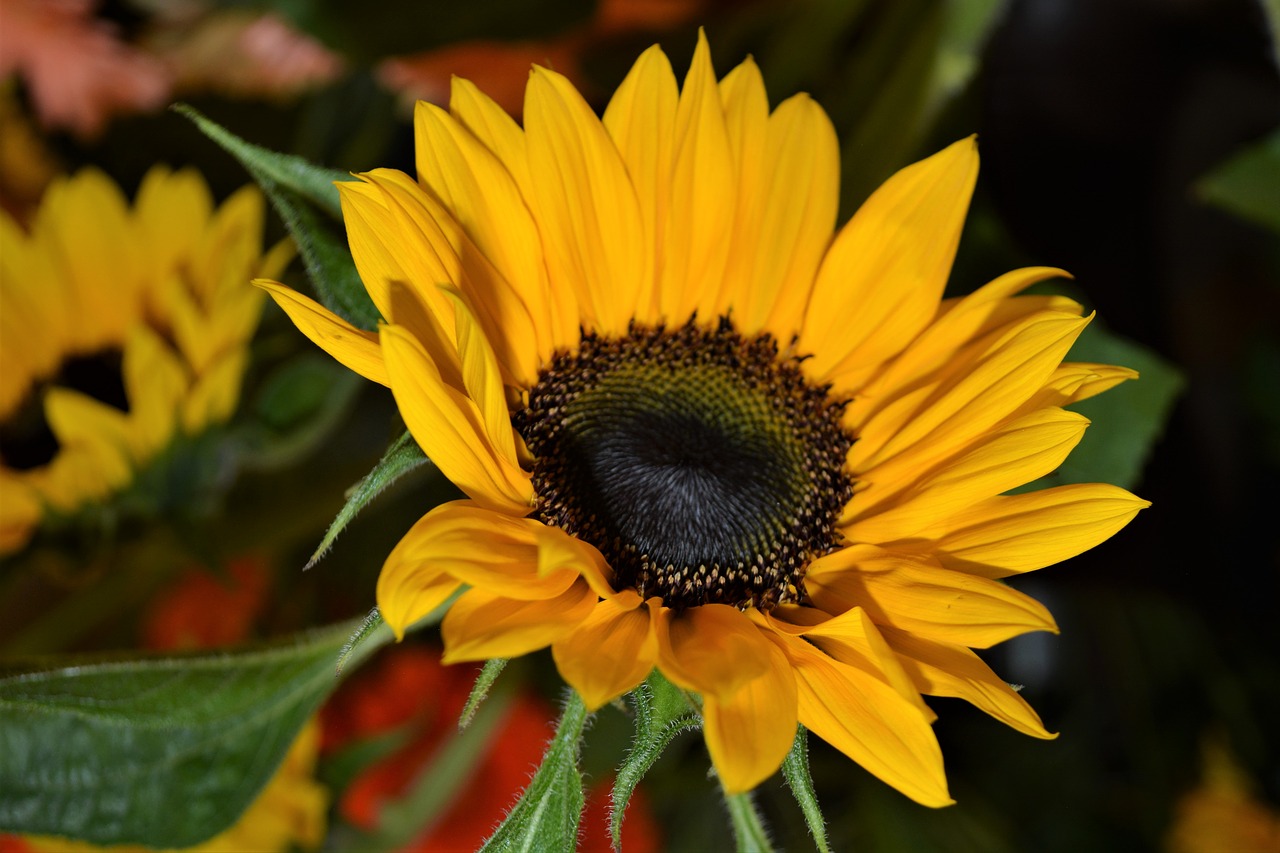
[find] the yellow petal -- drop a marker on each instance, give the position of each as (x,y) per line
(463,175)
(641,120)
(559,552)
(85,223)
(868,721)
(472,545)
(775,262)
(930,423)
(746,116)
(450,428)
(434,250)
(1010,534)
(100,431)
(356,349)
(610,652)
(944,669)
(481,625)
(750,731)
(883,277)
(1013,454)
(713,649)
(854,640)
(1076,381)
(172,209)
(482,379)
(155,382)
(926,600)
(392,247)
(704,193)
(490,124)
(213,397)
(416,579)
(586,206)
(964,320)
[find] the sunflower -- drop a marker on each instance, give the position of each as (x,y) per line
(698,431)
(144,307)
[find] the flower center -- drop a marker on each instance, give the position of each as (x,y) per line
(702,464)
(26,440)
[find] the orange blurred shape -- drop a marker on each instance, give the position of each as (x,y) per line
(408,686)
(78,72)
(501,69)
(202,610)
(247,55)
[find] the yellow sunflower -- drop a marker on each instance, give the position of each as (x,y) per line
(698,431)
(145,306)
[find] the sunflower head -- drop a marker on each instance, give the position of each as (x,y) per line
(702,430)
(122,328)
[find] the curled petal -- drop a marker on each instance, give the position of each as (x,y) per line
(943,669)
(451,429)
(354,348)
(481,625)
(611,651)
(750,731)
(713,649)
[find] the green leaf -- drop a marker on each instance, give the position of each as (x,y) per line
(403,456)
(795,769)
(312,183)
(1248,184)
(546,817)
(300,192)
(662,712)
(1126,421)
(748,828)
(480,690)
(165,752)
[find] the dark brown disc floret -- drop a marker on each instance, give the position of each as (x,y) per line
(701,463)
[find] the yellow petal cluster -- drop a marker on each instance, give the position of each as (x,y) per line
(163,283)
(514,240)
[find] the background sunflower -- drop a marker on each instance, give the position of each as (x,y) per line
(1123,140)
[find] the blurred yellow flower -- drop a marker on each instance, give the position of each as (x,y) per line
(1222,815)
(147,307)
(699,432)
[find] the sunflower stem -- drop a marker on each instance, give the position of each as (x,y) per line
(748,826)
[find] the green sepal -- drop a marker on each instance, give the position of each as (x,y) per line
(304,195)
(164,752)
(662,711)
(403,456)
(480,690)
(795,769)
(749,833)
(546,817)
(371,629)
